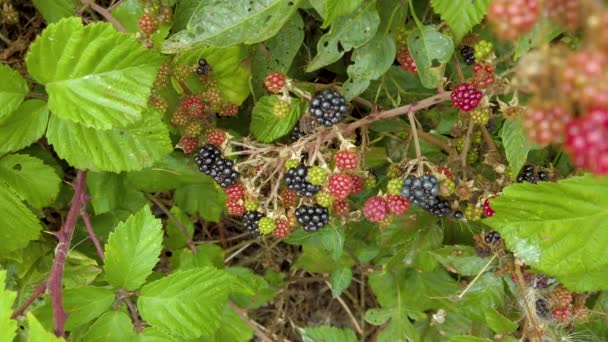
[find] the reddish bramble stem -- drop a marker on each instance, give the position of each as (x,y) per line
(38,290)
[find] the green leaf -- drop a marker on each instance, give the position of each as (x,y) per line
(328,334)
(18,225)
(254,292)
(8,326)
(128,13)
(337,8)
(173,171)
(94,75)
(317,260)
(461,15)
(225,23)
(487,292)
(53,11)
(203,198)
(346,33)
(85,304)
(114,150)
(516,144)
(233,328)
(23,126)
(460,259)
(207,255)
(378,316)
(111,326)
(13,89)
(428,46)
(466,338)
(553,227)
(33,180)
(544,31)
(186,303)
(340,280)
(133,250)
(37,333)
(106,190)
(266,126)
(175,236)
(80,270)
(330,238)
(499,323)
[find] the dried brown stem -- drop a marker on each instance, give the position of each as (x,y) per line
(38,290)
(134,315)
(105,14)
(87,223)
(179,225)
(410,117)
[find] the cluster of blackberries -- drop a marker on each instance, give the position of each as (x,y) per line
(297,134)
(251,222)
(211,163)
(468,54)
(312,218)
(492,237)
(423,191)
(203,67)
(328,107)
(297,180)
(527,174)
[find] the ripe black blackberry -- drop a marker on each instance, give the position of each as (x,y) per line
(527,175)
(543,175)
(312,218)
(441,208)
(297,134)
(211,163)
(421,191)
(328,107)
(297,180)
(203,67)
(492,237)
(458,215)
(251,222)
(207,156)
(468,54)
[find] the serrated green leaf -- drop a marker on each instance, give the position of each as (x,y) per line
(94,75)
(499,323)
(487,292)
(266,126)
(175,236)
(80,270)
(106,189)
(340,280)
(8,326)
(428,46)
(13,89)
(328,334)
(553,227)
(186,303)
(133,250)
(128,13)
(112,150)
(346,33)
(53,11)
(207,255)
(338,8)
(461,15)
(516,144)
(225,23)
(203,198)
(34,181)
(234,329)
(23,126)
(18,225)
(460,259)
(330,238)
(111,326)
(37,333)
(254,291)
(378,316)
(85,304)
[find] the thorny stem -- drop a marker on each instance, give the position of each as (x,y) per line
(38,290)
(106,14)
(179,225)
(243,314)
(61,252)
(87,223)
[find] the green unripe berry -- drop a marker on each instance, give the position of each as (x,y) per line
(251,204)
(317,175)
(324,199)
(483,49)
(291,163)
(266,225)
(394,186)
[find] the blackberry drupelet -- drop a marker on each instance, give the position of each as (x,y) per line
(441,208)
(468,54)
(251,222)
(328,107)
(297,134)
(527,175)
(543,175)
(203,67)
(458,215)
(492,237)
(207,156)
(297,180)
(312,218)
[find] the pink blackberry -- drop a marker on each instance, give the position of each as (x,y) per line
(235,207)
(546,125)
(358,184)
(193,106)
(235,192)
(375,209)
(564,12)
(397,205)
(340,185)
(483,76)
(561,315)
(346,160)
(282,228)
(405,60)
(229,109)
(148,23)
(511,18)
(586,141)
(341,207)
(275,82)
(466,97)
(584,76)
(188,144)
(216,137)
(487,210)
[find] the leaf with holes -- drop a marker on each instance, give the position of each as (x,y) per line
(461,15)
(187,303)
(557,229)
(33,180)
(429,47)
(94,75)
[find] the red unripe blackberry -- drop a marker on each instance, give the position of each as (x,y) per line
(193,128)
(193,106)
(235,207)
(188,144)
(229,109)
(148,24)
(405,60)
(511,18)
(216,136)
(275,82)
(546,125)
(282,228)
(561,297)
(346,160)
(483,76)
(466,97)
(375,209)
(584,78)
(358,184)
(340,185)
(235,192)
(397,205)
(180,118)
(561,315)
(159,103)
(564,12)
(341,207)
(487,210)
(586,141)
(162,77)
(444,170)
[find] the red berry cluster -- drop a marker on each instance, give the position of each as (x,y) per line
(216,137)
(188,144)
(346,160)
(466,97)
(340,185)
(487,209)
(148,23)
(546,125)
(511,18)
(587,142)
(378,209)
(275,82)
(583,79)
(235,195)
(193,106)
(483,75)
(405,60)
(564,12)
